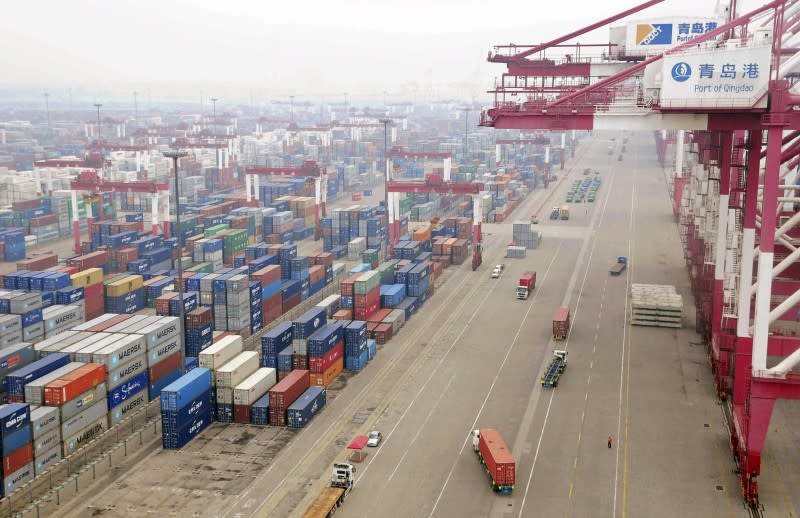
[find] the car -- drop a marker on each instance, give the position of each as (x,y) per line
(500,267)
(374,438)
(496,273)
(535,219)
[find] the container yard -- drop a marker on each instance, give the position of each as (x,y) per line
(284,305)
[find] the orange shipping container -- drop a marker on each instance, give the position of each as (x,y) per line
(422,234)
(343,314)
(324,379)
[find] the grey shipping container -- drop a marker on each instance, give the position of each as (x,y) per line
(166,328)
(58,317)
(128,408)
(50,439)
(254,387)
(121,351)
(33,333)
(10,324)
(85,436)
(12,358)
(47,459)
(17,479)
(72,407)
(121,374)
(84,351)
(44,419)
(11,338)
(81,420)
(64,339)
(163,350)
(34,390)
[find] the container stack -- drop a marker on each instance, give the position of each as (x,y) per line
(366,295)
(356,247)
(17,446)
(208,251)
(220,353)
(12,245)
(237,304)
(326,354)
(525,237)
(13,359)
(228,376)
(274,341)
(10,331)
(303,328)
(278,227)
(186,408)
(199,331)
(356,354)
(286,392)
(306,407)
(28,305)
(269,278)
(124,294)
(251,390)
(46,434)
(656,305)
(418,282)
(516,252)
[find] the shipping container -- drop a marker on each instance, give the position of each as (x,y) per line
(18,458)
(17,479)
(43,419)
(74,406)
(561,323)
(88,415)
(180,437)
(306,407)
(497,459)
(131,406)
(13,416)
(47,459)
(221,352)
(16,439)
(85,436)
(176,419)
(127,389)
(186,389)
(285,393)
(74,383)
(254,387)
(237,370)
(47,440)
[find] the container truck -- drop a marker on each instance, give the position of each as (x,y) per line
(554,370)
(526,284)
(564,214)
(496,459)
(342,482)
(619,266)
(561,323)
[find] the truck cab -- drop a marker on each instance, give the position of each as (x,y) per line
(564,213)
(343,475)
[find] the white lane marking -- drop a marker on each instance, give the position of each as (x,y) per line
(496,377)
(622,357)
(566,344)
(419,430)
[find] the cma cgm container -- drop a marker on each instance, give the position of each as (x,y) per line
(282,395)
(305,407)
(496,459)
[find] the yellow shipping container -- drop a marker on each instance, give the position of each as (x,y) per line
(87,277)
(124,286)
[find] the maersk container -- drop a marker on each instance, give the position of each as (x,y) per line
(166,328)
(17,479)
(47,459)
(49,439)
(325,339)
(15,440)
(180,437)
(43,419)
(33,332)
(89,415)
(13,416)
(123,373)
(129,346)
(56,317)
(132,405)
(237,370)
(306,324)
(305,407)
(259,412)
(221,352)
(254,387)
(85,436)
(277,339)
(186,389)
(127,389)
(163,351)
(72,407)
(156,386)
(172,420)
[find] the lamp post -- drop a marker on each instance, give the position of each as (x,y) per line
(214,125)
(98,106)
(47,108)
(175,154)
(386,123)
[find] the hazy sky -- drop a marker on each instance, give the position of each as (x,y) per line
(311,48)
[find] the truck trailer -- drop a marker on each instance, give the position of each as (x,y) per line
(527,282)
(342,482)
(561,323)
(618,267)
(554,370)
(496,459)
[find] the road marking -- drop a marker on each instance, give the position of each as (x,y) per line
(575,463)
(580,434)
(583,414)
(419,430)
(591,364)
(589,380)
(586,398)
(494,382)
(594,348)
(570,489)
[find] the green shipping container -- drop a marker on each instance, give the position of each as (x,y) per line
(211,231)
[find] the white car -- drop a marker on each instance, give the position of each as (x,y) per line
(496,273)
(374,438)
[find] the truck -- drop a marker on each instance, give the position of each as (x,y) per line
(618,267)
(561,323)
(554,370)
(527,282)
(342,482)
(555,212)
(495,458)
(564,213)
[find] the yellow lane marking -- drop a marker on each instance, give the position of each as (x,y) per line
(575,463)
(583,414)
(570,489)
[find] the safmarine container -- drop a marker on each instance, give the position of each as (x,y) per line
(131,405)
(305,407)
(221,352)
(184,390)
(127,389)
(180,437)
(120,374)
(74,383)
(172,420)
(237,370)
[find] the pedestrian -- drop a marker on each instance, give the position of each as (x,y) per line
(609,441)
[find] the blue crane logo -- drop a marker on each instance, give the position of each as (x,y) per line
(681,71)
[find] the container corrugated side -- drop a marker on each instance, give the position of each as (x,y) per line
(80,421)
(131,406)
(85,436)
(44,419)
(175,419)
(221,352)
(47,459)
(34,389)
(237,370)
(255,386)
(72,407)
(184,390)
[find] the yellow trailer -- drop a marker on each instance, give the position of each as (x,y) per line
(326,503)
(564,212)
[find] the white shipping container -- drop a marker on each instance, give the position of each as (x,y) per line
(254,387)
(164,350)
(34,389)
(237,370)
(95,321)
(221,352)
(128,322)
(65,339)
(129,346)
(224,396)
(158,332)
(56,317)
(84,351)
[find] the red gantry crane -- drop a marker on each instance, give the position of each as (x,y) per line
(731,85)
(89,181)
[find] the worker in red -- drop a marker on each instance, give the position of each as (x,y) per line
(609,441)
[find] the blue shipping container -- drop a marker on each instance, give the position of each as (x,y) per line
(308,322)
(305,407)
(173,420)
(155,387)
(16,440)
(259,412)
(127,390)
(179,438)
(13,417)
(16,381)
(186,389)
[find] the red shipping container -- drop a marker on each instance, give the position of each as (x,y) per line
(379,315)
(316,274)
(371,329)
(38,263)
(365,312)
(299,362)
(346,286)
(74,383)
(267,275)
(164,367)
(499,461)
(274,249)
(102,326)
(23,205)
(319,364)
(383,333)
(241,414)
(323,379)
(162,302)
(286,391)
(92,260)
(277,417)
(198,317)
(325,258)
(291,302)
(16,459)
(40,221)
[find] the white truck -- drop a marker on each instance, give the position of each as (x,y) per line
(342,481)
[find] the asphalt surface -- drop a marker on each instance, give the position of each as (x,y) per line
(473,358)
